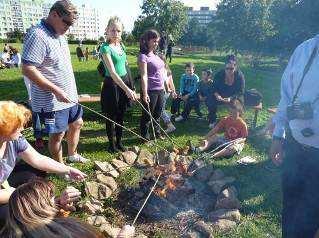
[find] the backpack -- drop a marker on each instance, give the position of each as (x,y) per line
(252,97)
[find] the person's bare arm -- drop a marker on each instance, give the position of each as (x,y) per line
(5,195)
(36,77)
(41,162)
(143,70)
(117,79)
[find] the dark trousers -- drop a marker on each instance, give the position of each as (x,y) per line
(22,173)
(156,107)
(300,183)
(114,103)
(169,55)
(192,102)
(212,109)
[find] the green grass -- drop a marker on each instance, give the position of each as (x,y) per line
(259,188)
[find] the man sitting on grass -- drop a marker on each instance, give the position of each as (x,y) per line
(235,132)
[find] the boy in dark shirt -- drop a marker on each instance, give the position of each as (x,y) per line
(205,93)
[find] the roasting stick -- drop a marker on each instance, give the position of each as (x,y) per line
(165,133)
(146,199)
(105,117)
(154,135)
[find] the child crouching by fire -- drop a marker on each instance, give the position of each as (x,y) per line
(235,133)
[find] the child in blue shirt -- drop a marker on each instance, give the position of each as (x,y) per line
(188,93)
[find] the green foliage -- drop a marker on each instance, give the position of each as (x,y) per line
(15,34)
(167,16)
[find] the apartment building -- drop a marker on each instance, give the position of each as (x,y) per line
(204,15)
(22,14)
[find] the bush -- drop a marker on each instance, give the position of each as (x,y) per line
(84,42)
(10,40)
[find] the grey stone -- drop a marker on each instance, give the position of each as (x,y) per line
(135,149)
(218,185)
(204,228)
(203,174)
(229,214)
(106,168)
(97,190)
(227,199)
(217,175)
(120,165)
(145,158)
(107,180)
(196,165)
(192,234)
(91,207)
(109,231)
(223,225)
(163,156)
(96,220)
(128,157)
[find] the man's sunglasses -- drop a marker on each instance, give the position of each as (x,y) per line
(230,68)
(68,23)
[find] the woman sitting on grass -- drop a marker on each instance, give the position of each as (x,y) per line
(235,133)
(13,147)
(33,213)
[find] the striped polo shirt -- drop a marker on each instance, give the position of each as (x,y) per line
(50,54)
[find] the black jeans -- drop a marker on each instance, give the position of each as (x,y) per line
(22,173)
(300,186)
(192,102)
(156,107)
(114,103)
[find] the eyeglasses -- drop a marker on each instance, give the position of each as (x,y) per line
(68,23)
(230,68)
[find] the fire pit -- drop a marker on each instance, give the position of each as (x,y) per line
(191,198)
(189,194)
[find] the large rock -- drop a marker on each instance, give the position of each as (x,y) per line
(163,156)
(107,180)
(91,207)
(229,214)
(106,168)
(96,220)
(223,225)
(203,174)
(217,175)
(129,157)
(204,228)
(109,231)
(218,185)
(145,158)
(120,165)
(227,199)
(97,190)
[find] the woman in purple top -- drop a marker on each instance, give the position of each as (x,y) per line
(151,67)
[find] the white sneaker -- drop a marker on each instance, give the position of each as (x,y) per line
(77,159)
(170,128)
(179,118)
(211,125)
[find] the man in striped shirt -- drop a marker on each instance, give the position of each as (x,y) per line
(47,63)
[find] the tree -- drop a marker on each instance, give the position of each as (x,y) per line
(243,25)
(15,34)
(193,34)
(164,15)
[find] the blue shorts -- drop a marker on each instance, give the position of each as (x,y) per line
(58,121)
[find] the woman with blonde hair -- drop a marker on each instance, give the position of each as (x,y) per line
(117,88)
(34,212)
(13,147)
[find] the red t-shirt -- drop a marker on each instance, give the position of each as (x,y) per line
(232,128)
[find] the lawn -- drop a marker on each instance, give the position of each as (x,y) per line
(259,187)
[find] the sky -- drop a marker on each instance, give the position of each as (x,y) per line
(128,10)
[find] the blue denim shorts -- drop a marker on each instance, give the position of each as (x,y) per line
(58,121)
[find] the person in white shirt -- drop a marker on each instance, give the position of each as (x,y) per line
(295,143)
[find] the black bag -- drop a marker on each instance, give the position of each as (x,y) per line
(100,68)
(252,97)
